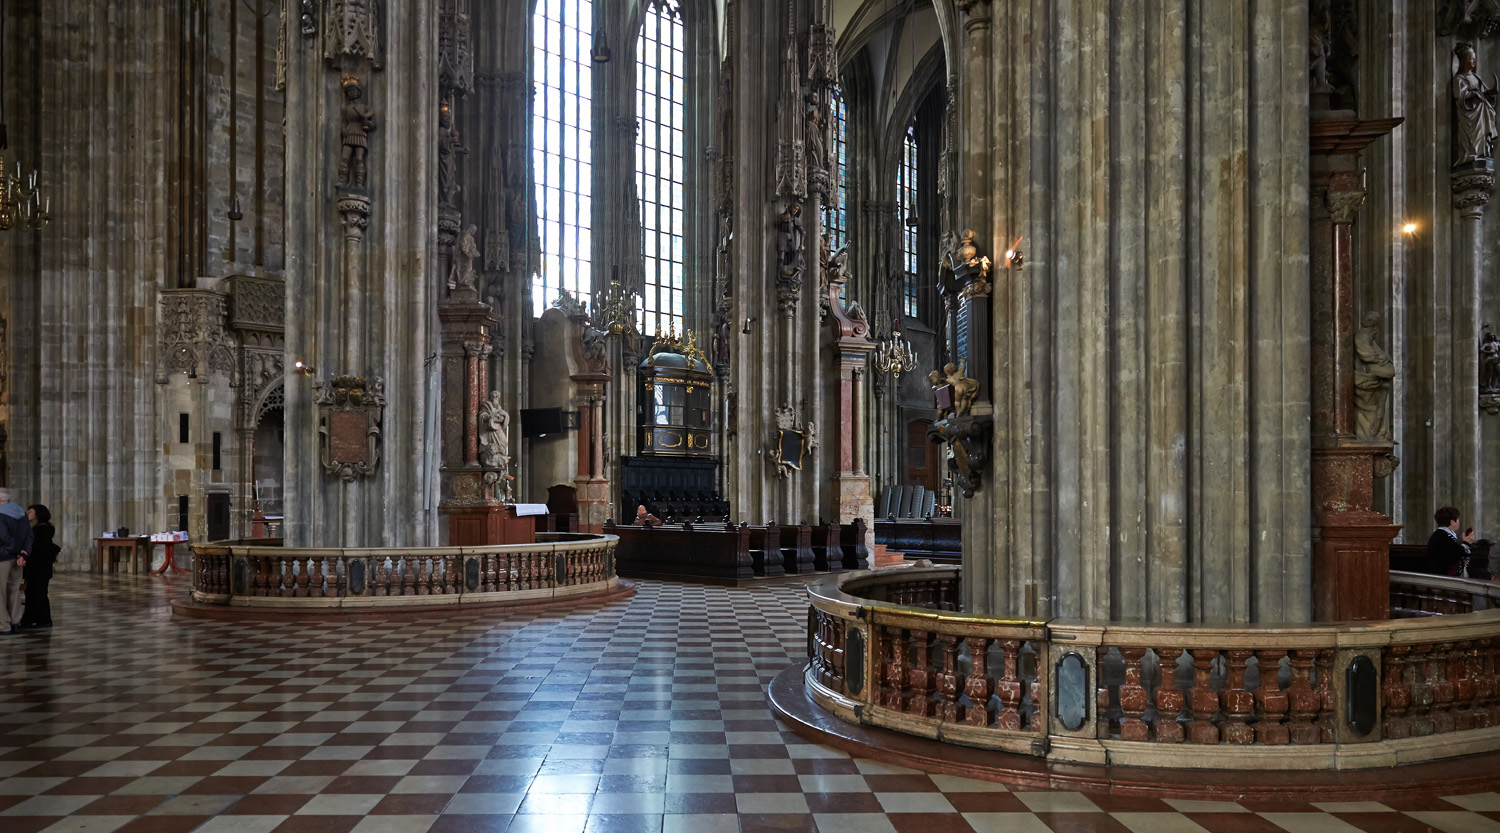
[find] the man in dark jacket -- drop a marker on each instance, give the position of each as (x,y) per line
(1445,549)
(15,543)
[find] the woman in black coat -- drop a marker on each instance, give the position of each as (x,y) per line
(38,569)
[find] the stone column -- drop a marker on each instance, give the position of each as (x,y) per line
(852,348)
(1472,184)
(1351,541)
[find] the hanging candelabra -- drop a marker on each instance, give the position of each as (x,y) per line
(895,355)
(615,309)
(20,198)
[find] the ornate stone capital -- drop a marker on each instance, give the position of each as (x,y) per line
(1471,192)
(976,12)
(1343,205)
(355,211)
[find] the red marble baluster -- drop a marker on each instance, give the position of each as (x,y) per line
(1304,701)
(1443,719)
(1038,719)
(978,687)
(288,578)
(1133,697)
(894,667)
(409,575)
(948,682)
(1421,664)
(1459,673)
(1327,708)
(1169,699)
(1202,701)
(1395,692)
(1101,694)
(1271,728)
(1009,688)
(1236,701)
(315,578)
(922,676)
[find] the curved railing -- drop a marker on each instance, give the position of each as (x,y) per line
(886,650)
(251,574)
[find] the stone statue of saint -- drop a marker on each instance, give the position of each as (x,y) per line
(494,433)
(462,275)
(1474,109)
(357,121)
(1373,372)
(450,147)
(789,241)
(815,143)
(1489,363)
(1318,38)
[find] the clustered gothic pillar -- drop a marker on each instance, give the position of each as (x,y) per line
(1150,453)
(361,225)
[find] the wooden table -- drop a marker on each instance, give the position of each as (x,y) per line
(166,562)
(139,555)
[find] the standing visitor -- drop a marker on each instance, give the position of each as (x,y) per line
(38,569)
(1445,549)
(15,543)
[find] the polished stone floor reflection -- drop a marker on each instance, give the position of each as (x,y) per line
(647,714)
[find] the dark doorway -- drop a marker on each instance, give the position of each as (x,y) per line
(218,516)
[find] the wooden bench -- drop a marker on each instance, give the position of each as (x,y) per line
(939,540)
(718,552)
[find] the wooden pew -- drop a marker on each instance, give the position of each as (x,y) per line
(798,550)
(718,552)
(856,554)
(939,540)
(766,556)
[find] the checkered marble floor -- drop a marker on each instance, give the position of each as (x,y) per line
(615,717)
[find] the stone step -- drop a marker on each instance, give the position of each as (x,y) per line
(886,558)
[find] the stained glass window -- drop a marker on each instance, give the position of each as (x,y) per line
(838,213)
(906,193)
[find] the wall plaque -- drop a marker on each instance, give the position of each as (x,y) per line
(350,411)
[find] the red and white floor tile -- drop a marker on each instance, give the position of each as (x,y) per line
(614,717)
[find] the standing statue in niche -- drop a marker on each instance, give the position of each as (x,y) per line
(462,275)
(450,147)
(1489,363)
(789,239)
(1373,372)
(1318,38)
(815,143)
(357,121)
(494,433)
(1474,109)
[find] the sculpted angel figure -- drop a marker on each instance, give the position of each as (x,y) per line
(965,390)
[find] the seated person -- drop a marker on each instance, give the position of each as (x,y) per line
(642,517)
(1446,552)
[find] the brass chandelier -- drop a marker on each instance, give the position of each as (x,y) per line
(20,198)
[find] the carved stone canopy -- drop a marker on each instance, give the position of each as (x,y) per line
(349,417)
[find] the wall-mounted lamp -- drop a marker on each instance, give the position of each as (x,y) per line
(1013,255)
(304,369)
(192,372)
(1409,229)
(746,329)
(234,210)
(600,52)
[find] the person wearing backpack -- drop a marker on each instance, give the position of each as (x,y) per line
(15,544)
(38,569)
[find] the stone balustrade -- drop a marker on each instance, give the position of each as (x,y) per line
(889,649)
(251,574)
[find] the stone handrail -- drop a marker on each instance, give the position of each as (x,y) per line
(884,650)
(250,573)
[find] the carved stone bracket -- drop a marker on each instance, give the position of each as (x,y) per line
(1489,403)
(1344,205)
(349,418)
(1471,188)
(354,208)
(969,438)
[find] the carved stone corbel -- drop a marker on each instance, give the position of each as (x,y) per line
(349,418)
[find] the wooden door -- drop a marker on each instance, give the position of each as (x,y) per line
(921,456)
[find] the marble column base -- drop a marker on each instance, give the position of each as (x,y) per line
(855,501)
(1351,541)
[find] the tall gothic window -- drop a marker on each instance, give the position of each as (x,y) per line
(838,210)
(561,142)
(659,164)
(906,195)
